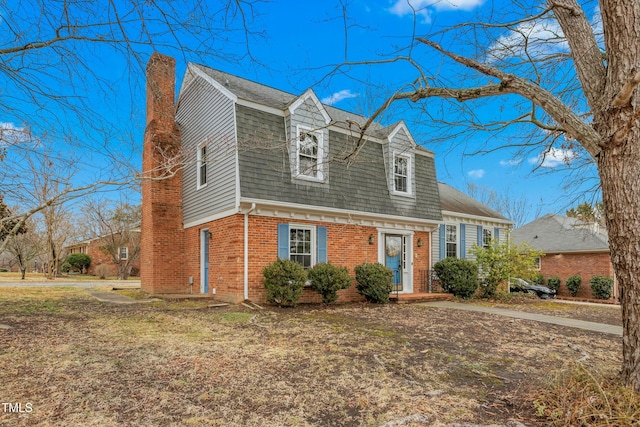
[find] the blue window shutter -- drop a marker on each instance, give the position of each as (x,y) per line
(442,241)
(496,234)
(480,242)
(463,241)
(322,244)
(283,241)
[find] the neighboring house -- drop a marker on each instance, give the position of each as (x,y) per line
(466,222)
(571,247)
(94,248)
(265,175)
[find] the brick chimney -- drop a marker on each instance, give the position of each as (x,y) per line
(162,237)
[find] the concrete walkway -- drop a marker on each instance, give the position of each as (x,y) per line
(114,298)
(562,321)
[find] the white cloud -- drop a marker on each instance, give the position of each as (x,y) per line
(338,96)
(11,135)
(424,8)
(541,38)
(554,158)
(476,173)
(512,162)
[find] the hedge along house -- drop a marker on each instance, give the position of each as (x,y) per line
(466,222)
(571,247)
(263,175)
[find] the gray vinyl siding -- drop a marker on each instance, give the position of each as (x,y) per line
(205,114)
(265,172)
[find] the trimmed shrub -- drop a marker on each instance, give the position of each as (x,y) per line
(458,276)
(327,279)
(553,282)
(78,262)
(538,279)
(601,286)
(284,280)
(573,284)
(374,282)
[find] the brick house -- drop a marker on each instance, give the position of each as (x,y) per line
(571,247)
(266,174)
(93,248)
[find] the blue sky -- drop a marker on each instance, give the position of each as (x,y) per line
(304,44)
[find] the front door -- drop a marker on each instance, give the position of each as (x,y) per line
(393,258)
(205,236)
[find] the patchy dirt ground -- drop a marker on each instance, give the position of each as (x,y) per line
(79,362)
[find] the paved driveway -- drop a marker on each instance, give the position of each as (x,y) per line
(115,283)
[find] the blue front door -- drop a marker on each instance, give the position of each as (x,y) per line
(204,261)
(393,258)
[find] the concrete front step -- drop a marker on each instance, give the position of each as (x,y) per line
(419,297)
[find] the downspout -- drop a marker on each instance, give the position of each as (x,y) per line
(246,251)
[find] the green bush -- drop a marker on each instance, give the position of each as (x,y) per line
(374,282)
(601,287)
(65,267)
(78,262)
(327,279)
(284,280)
(538,279)
(553,282)
(573,284)
(458,276)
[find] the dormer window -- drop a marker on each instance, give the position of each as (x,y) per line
(309,154)
(401,174)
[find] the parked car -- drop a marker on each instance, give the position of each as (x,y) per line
(521,285)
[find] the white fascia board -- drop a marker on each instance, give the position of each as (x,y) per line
(310,94)
(456,216)
(333,214)
(226,92)
(212,217)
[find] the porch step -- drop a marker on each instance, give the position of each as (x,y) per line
(184,297)
(419,297)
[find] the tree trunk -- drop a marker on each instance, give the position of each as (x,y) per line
(619,167)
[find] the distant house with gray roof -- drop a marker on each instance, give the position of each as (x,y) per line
(571,247)
(268,174)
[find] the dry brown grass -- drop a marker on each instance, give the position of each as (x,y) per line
(85,363)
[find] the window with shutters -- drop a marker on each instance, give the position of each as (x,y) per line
(486,238)
(451,241)
(302,245)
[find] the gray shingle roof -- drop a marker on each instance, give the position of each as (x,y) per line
(555,233)
(275,98)
(455,201)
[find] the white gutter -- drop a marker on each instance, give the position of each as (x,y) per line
(246,251)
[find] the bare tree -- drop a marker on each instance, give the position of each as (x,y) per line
(70,66)
(25,246)
(517,209)
(574,88)
(118,228)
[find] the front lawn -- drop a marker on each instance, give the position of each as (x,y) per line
(80,362)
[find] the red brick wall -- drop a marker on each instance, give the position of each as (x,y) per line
(347,245)
(584,265)
(162,239)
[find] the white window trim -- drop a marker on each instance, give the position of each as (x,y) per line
(199,164)
(314,241)
(490,232)
(320,135)
(457,242)
(409,159)
(126,250)
(539,264)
